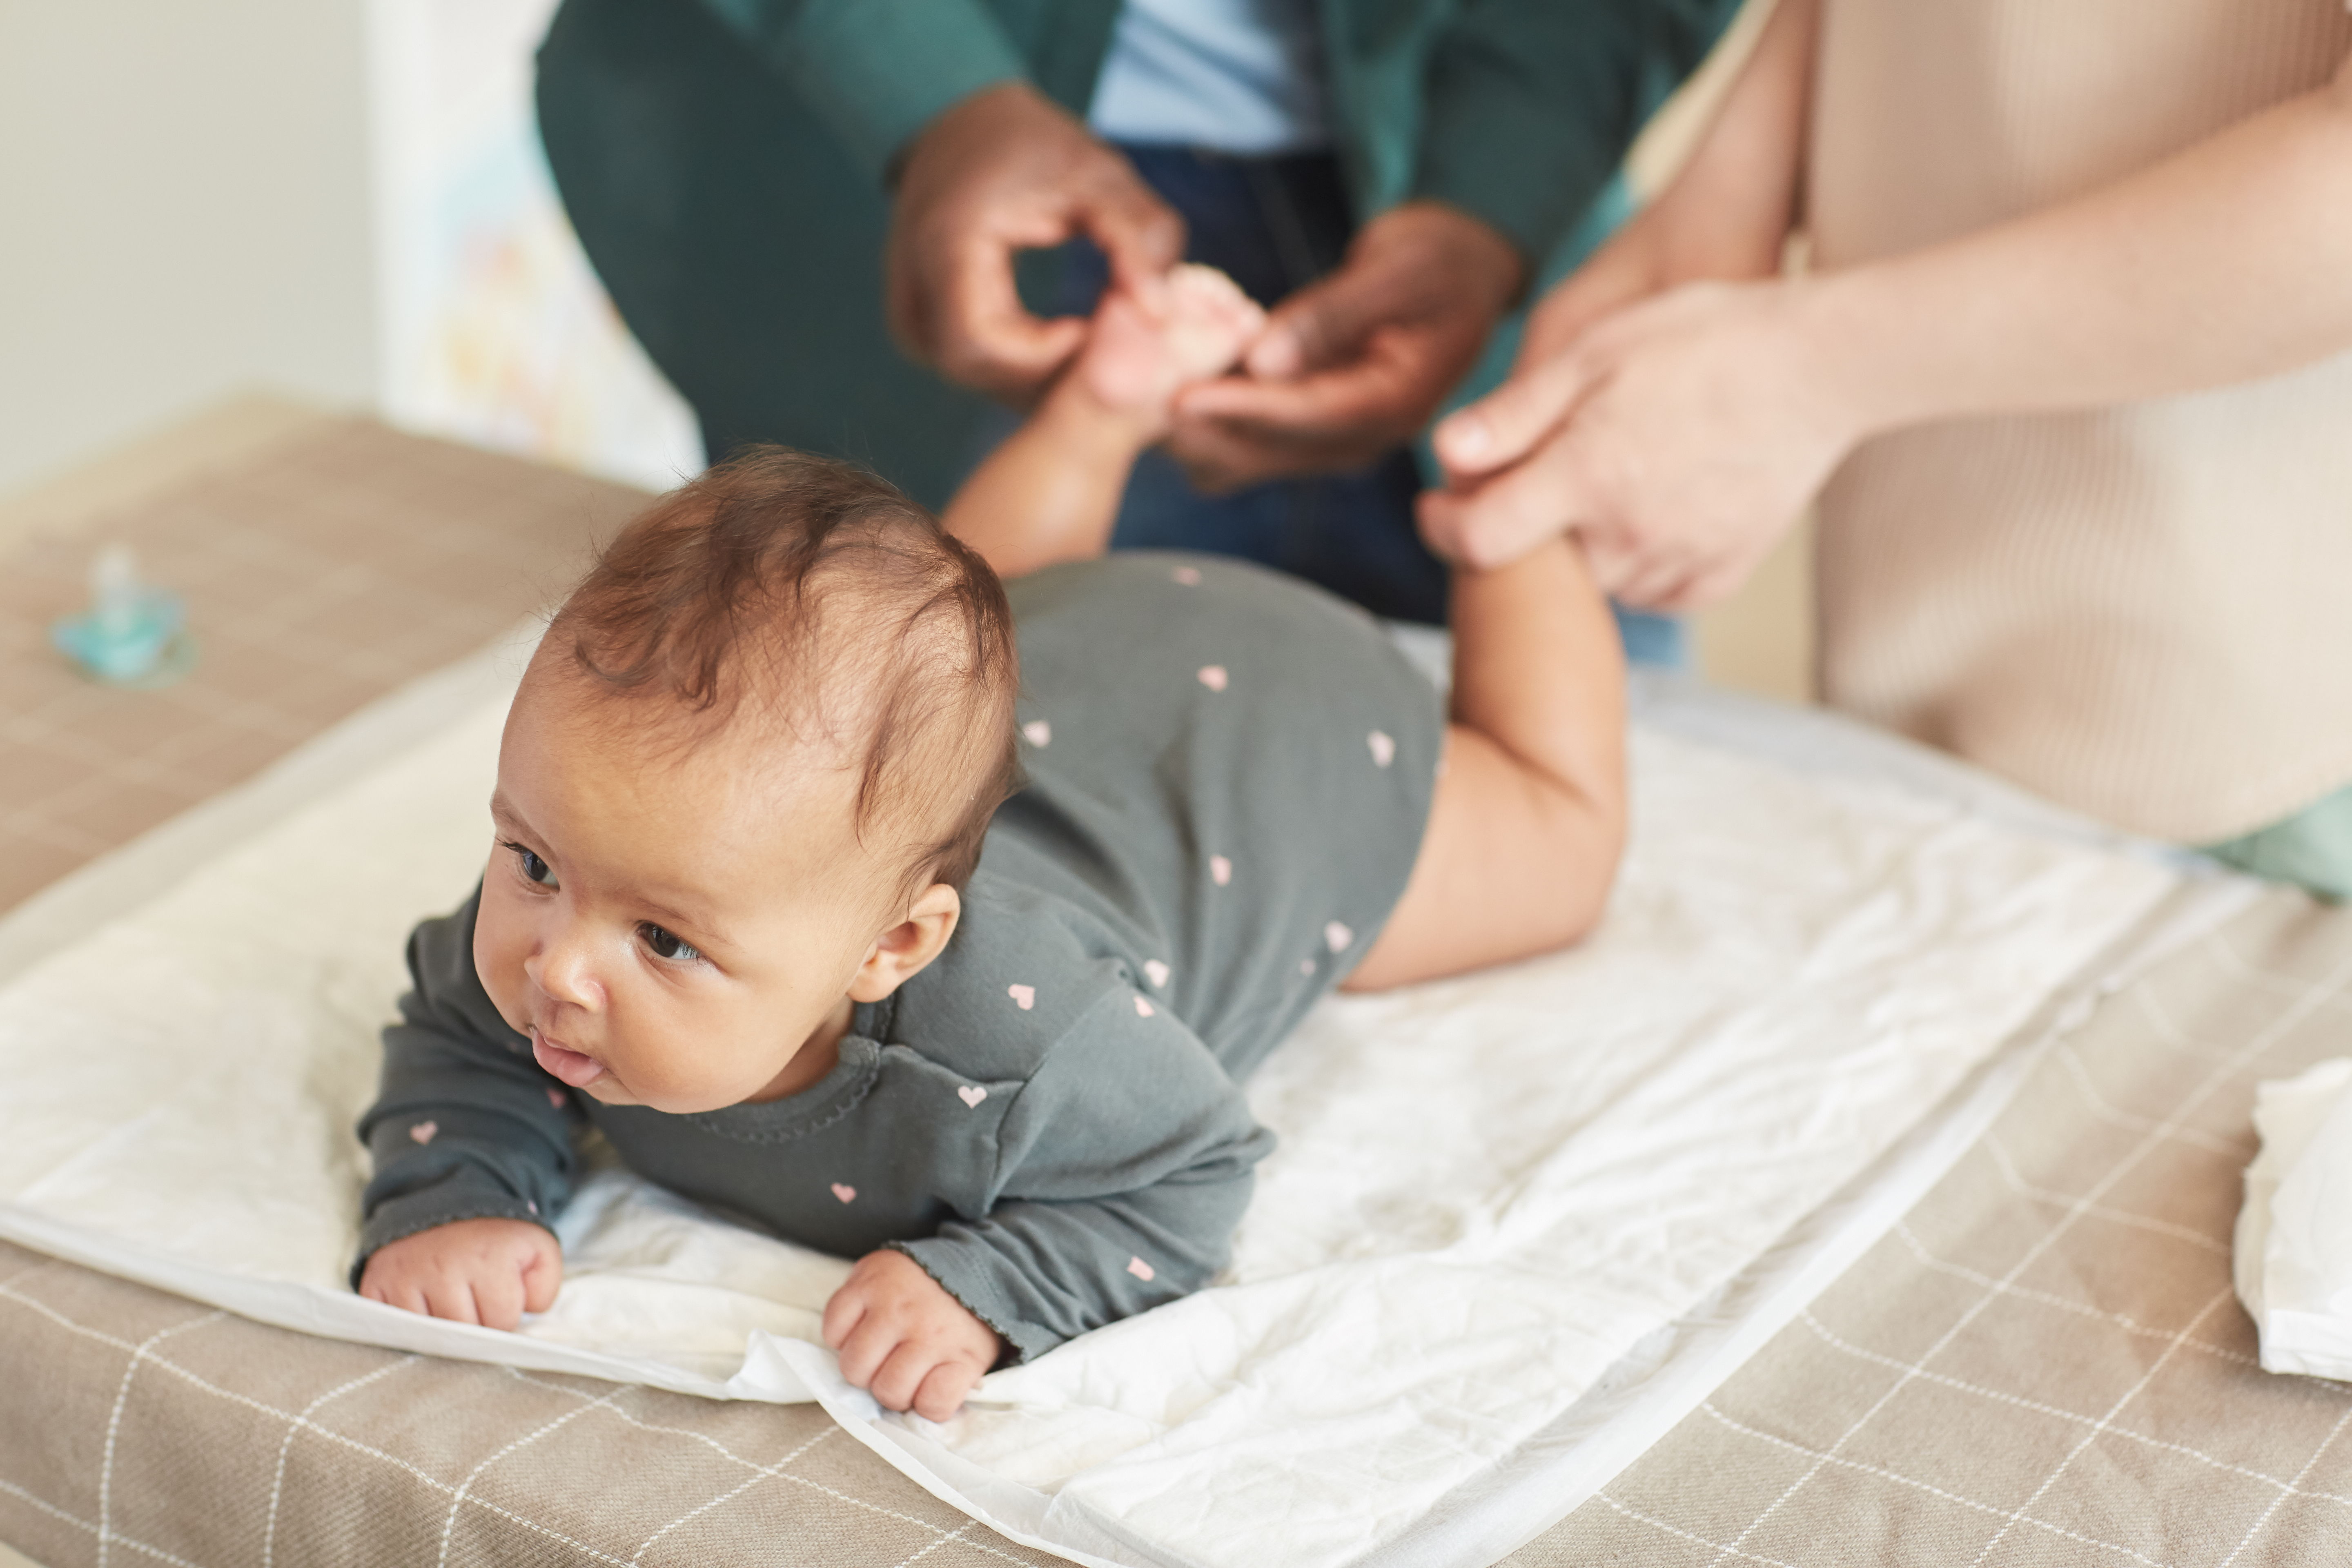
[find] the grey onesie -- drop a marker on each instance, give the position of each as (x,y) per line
(1229,775)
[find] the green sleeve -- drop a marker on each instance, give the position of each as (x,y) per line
(877,71)
(465,1125)
(1530,105)
(1124,1166)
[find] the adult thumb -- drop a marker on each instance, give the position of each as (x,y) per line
(1502,427)
(1323,324)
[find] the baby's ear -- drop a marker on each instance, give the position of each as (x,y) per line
(901,952)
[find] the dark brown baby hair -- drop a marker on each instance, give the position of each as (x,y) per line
(821,597)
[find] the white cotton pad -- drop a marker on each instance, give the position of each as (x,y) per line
(2294,1251)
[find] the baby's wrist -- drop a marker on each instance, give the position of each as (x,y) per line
(1083,422)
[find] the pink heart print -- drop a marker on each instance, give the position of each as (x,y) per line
(1306,966)
(1140,1269)
(1143,1009)
(1040,733)
(1157,973)
(1383,746)
(424,1130)
(555,1097)
(1338,936)
(1221,870)
(845,1191)
(1188,576)
(971,1094)
(1023,997)
(1212,676)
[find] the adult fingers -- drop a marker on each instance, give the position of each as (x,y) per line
(1501,519)
(1502,427)
(941,1394)
(984,337)
(1140,234)
(1323,324)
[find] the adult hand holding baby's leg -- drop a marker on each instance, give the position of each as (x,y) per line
(486,1271)
(905,1340)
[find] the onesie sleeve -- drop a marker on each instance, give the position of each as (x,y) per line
(1531,104)
(877,71)
(1123,1168)
(465,1124)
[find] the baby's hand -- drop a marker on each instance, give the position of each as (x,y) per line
(902,1337)
(1136,360)
(486,1271)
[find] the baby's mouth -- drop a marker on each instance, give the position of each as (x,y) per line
(574,1068)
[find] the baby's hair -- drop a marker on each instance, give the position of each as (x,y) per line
(823,596)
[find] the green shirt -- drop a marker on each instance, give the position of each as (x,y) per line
(1229,776)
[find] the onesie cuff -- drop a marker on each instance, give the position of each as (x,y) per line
(1023,1341)
(444,1203)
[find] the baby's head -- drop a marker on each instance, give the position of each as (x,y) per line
(745,777)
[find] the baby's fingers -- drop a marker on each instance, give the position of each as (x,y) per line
(908,1369)
(941,1394)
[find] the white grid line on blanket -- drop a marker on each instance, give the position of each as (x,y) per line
(1883,1473)
(2220,1072)
(2293,1489)
(54,1511)
(739,1490)
(2105,1423)
(2056,1412)
(2128,1324)
(114,1424)
(286,1447)
(342,1440)
(2015,1181)
(2098,1105)
(796,1480)
(458,1502)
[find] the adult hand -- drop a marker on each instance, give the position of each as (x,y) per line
(1002,171)
(1678,438)
(1354,364)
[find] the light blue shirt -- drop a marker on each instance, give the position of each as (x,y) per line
(1237,76)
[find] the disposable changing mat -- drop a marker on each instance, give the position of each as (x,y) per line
(1488,1191)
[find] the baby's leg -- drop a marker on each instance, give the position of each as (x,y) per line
(1529,813)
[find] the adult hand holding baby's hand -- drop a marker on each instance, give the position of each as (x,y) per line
(1678,438)
(486,1271)
(1354,364)
(1002,171)
(905,1340)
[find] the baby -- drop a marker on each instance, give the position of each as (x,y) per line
(773,907)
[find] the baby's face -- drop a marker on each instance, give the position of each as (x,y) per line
(671,925)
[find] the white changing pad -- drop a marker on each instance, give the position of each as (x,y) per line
(1489,1192)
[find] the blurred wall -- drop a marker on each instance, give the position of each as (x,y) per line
(184,209)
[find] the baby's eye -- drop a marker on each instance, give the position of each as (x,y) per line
(666,943)
(533,869)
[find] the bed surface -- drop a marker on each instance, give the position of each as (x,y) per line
(2043,1363)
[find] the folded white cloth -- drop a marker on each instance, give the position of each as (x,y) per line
(2294,1260)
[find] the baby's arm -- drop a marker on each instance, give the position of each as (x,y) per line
(1528,818)
(1051,493)
(486,1271)
(1124,1164)
(472,1151)
(905,1340)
